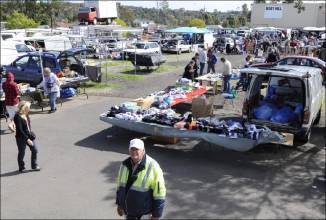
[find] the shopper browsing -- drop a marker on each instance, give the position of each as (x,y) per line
(227,67)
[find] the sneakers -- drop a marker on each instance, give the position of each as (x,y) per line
(36,168)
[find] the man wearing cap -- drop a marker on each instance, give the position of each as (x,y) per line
(141,189)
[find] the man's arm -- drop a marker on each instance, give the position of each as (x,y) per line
(159,192)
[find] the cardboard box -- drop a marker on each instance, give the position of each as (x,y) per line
(202,106)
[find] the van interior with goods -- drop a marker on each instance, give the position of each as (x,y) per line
(277,101)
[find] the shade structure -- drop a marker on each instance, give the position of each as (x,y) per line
(190,30)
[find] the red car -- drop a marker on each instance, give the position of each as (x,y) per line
(297,61)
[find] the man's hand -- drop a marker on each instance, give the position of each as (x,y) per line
(120,211)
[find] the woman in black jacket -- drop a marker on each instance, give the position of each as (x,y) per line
(24,136)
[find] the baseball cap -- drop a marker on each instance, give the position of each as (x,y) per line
(136,143)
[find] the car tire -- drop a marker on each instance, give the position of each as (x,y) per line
(302,139)
(317,119)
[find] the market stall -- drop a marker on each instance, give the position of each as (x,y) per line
(153,115)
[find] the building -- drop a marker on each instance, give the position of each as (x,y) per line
(284,15)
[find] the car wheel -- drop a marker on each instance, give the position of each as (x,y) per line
(302,139)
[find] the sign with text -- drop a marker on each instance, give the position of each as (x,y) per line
(273,11)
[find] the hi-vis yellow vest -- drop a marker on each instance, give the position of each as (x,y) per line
(147,193)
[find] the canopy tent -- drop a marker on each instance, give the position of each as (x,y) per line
(189,30)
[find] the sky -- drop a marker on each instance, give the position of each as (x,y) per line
(193,5)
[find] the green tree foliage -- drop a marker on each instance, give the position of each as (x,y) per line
(18,20)
(121,22)
(245,9)
(233,21)
(242,21)
(298,4)
(197,23)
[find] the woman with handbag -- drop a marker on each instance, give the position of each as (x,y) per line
(24,136)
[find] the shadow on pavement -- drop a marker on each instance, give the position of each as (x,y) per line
(205,181)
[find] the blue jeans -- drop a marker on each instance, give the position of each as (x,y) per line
(226,82)
(53,99)
(21,144)
(202,66)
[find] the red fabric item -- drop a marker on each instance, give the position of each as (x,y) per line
(201,90)
(11,90)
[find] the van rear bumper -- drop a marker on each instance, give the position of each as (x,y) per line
(282,127)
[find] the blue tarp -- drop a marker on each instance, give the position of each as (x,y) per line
(190,30)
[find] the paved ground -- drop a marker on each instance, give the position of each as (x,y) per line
(80,156)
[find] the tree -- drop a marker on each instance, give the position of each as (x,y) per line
(245,9)
(225,23)
(299,5)
(18,20)
(197,23)
(164,5)
(121,22)
(242,20)
(233,21)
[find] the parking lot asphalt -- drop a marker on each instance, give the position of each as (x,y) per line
(80,156)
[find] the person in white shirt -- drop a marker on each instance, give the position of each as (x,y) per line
(227,67)
(202,60)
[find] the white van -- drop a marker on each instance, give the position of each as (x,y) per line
(286,99)
(10,50)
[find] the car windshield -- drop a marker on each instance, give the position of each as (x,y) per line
(172,42)
(22,48)
(140,45)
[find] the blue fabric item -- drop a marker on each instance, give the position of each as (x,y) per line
(271,93)
(67,92)
(214,59)
(284,115)
(265,111)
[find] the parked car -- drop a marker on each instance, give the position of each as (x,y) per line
(297,61)
(27,68)
(284,98)
(10,50)
(177,46)
(224,44)
(143,48)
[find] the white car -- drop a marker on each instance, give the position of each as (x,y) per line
(10,50)
(143,48)
(284,98)
(177,46)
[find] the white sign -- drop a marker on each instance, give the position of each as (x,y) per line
(273,11)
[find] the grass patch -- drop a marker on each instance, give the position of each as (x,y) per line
(112,63)
(161,69)
(124,76)
(102,85)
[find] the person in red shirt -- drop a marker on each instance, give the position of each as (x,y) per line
(11,91)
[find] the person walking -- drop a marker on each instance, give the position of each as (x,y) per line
(227,67)
(141,188)
(202,60)
(11,91)
(212,60)
(24,136)
(51,85)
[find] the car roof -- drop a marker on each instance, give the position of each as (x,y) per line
(307,57)
(45,54)
(77,49)
(284,70)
